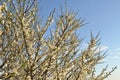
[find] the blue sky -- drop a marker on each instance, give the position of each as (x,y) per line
(102,16)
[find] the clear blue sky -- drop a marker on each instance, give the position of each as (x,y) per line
(102,16)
